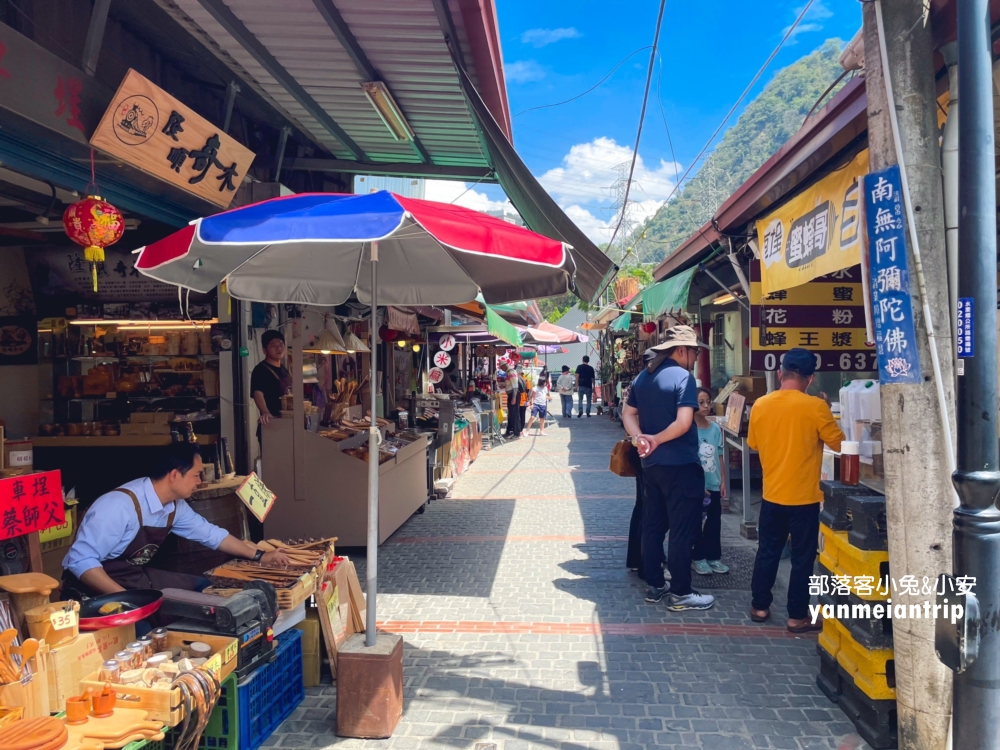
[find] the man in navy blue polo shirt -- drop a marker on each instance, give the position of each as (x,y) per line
(659,415)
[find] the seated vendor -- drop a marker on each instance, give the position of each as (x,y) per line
(116,546)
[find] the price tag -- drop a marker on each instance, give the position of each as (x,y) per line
(214,665)
(256,496)
(65,618)
(230,653)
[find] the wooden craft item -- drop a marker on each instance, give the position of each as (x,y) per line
(78,708)
(27,591)
(125,725)
(357,597)
(330,623)
(43,733)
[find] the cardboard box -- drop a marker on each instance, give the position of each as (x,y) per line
(156,428)
(70,662)
(163,417)
(132,430)
(751,387)
(17,454)
(142,417)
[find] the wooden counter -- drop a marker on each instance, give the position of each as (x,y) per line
(113,441)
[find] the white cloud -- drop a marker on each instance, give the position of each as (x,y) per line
(590,169)
(816,13)
(542,37)
(460,193)
(523,71)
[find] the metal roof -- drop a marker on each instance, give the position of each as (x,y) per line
(309,57)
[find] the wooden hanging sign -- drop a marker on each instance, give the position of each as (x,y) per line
(256,496)
(152,131)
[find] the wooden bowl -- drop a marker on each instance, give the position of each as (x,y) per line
(78,708)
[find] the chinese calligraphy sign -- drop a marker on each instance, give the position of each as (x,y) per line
(826,316)
(158,134)
(815,233)
(258,498)
(895,337)
(30,502)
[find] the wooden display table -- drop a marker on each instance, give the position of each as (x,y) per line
(331,498)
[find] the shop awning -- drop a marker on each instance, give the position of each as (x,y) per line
(667,296)
(594,269)
(501,328)
(621,323)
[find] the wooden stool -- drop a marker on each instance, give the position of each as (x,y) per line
(370,686)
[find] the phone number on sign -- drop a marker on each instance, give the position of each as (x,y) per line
(829,361)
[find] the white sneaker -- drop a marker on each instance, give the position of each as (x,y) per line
(690,602)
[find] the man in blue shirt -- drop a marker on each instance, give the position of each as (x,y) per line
(116,546)
(659,415)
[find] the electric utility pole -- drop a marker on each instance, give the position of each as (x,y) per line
(919,494)
(977,478)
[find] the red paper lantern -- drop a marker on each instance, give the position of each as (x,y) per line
(93,224)
(648,327)
(388,334)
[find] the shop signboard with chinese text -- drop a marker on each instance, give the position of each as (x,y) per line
(815,233)
(256,496)
(892,310)
(825,316)
(31,502)
(158,134)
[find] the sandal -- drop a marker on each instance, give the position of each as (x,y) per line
(806,627)
(756,617)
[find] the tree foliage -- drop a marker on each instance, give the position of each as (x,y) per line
(767,122)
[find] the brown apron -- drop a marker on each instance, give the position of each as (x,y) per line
(132,569)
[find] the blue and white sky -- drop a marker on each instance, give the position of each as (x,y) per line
(709,51)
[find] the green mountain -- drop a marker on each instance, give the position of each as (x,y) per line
(767,122)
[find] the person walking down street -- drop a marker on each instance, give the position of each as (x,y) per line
(585,377)
(565,385)
(539,404)
(707,551)
(659,415)
(511,387)
(524,387)
(788,428)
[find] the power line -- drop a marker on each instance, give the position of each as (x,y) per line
(642,116)
(739,101)
(574,98)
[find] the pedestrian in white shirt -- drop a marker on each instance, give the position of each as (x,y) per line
(539,404)
(566,384)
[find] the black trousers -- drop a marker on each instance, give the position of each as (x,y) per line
(672,496)
(514,423)
(709,543)
(633,556)
(775,524)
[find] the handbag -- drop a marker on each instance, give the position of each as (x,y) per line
(621,463)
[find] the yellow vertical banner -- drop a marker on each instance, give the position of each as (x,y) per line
(816,233)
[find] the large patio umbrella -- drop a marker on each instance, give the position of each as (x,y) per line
(320,249)
(565,335)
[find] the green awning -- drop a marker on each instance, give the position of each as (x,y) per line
(501,328)
(621,323)
(667,296)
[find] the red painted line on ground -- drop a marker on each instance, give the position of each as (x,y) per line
(501,538)
(711,630)
(550,497)
(565,470)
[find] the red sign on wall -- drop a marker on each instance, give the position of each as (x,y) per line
(31,502)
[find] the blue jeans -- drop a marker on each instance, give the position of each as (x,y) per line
(567,404)
(588,392)
(775,524)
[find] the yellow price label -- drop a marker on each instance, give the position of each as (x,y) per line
(65,618)
(230,653)
(214,665)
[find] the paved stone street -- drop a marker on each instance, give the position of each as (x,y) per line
(523,627)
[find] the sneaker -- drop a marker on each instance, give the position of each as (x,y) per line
(690,602)
(701,568)
(579,416)
(542,434)
(718,566)
(654,594)
(588,415)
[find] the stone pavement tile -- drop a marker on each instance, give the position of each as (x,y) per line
(546,549)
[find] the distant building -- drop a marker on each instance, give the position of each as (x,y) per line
(407,187)
(508,214)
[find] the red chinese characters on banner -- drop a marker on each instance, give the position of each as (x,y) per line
(67,93)
(31,502)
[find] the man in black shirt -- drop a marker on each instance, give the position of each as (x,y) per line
(585,376)
(270,380)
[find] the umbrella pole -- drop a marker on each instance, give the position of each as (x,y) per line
(372,551)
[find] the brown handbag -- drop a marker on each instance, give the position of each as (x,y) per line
(621,463)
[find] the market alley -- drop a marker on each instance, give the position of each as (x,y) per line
(523,627)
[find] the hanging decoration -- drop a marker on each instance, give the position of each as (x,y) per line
(93,223)
(447,343)
(388,334)
(442,359)
(648,327)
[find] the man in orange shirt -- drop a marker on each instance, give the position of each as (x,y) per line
(788,429)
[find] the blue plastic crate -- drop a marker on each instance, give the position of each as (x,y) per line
(271,693)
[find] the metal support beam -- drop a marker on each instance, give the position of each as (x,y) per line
(95,35)
(976,551)
(722,285)
(236,29)
(282,142)
(447,24)
(405,169)
(353,49)
(231,91)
